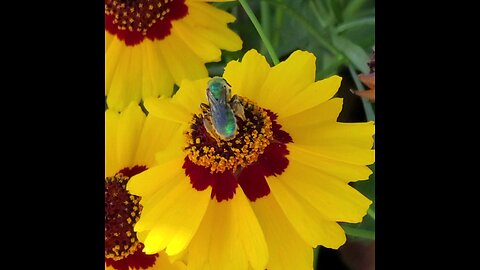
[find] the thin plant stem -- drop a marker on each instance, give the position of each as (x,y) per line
(277,30)
(260,31)
(371,213)
(356,23)
(361,233)
(315,256)
(265,22)
(316,11)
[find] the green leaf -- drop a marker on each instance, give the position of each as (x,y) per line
(367,187)
(336,8)
(353,8)
(355,54)
(359,233)
(368,21)
(328,65)
(366,228)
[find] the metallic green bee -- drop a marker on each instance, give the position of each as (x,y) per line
(219,116)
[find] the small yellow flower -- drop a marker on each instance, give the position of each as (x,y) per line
(265,198)
(128,136)
(152,45)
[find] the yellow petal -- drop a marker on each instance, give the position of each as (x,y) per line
(182,62)
(163,263)
(191,94)
(312,227)
(125,84)
(229,237)
(174,148)
(207,14)
(319,115)
(164,108)
(148,182)
(287,250)
(210,23)
(217,245)
(342,171)
(334,199)
(199,248)
(347,142)
(108,40)
(117,87)
(129,131)
(157,79)
(223,38)
(156,135)
(250,232)
(133,72)
(172,217)
(111,123)
(311,96)
(122,133)
(240,74)
(113,54)
(286,79)
(181,107)
(202,47)
(226,250)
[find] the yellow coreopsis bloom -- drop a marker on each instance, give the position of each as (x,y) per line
(131,140)
(265,198)
(152,45)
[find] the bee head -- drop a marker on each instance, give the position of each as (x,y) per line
(218,86)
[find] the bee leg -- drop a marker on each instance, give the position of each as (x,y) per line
(209,127)
(205,108)
(207,123)
(237,107)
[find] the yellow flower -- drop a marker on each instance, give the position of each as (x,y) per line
(128,136)
(152,45)
(267,197)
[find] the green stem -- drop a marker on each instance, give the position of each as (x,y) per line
(330,8)
(367,106)
(259,29)
(315,256)
(356,23)
(371,213)
(278,24)
(359,233)
(266,24)
(316,11)
(353,8)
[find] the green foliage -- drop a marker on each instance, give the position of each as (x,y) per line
(341,33)
(365,229)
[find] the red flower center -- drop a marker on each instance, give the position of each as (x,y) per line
(258,150)
(134,20)
(122,211)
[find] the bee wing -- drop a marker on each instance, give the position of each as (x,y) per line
(211,99)
(237,107)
